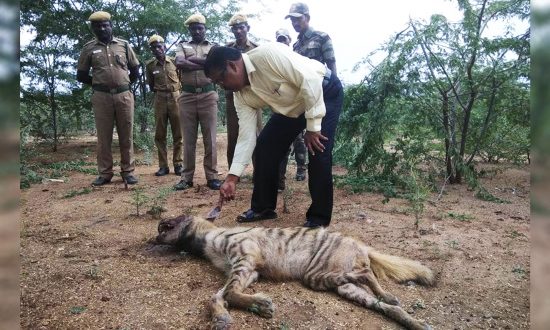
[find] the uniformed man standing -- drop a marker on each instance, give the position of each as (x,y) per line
(110,59)
(313,44)
(162,77)
(198,105)
(240,28)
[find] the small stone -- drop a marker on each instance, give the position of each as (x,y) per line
(105,298)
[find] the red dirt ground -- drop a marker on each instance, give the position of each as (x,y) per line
(87,261)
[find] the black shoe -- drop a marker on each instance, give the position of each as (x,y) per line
(100,181)
(130,179)
(311,224)
(162,171)
(178,169)
(251,216)
(300,175)
(182,185)
(281,185)
(214,184)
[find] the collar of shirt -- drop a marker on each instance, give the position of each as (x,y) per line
(247,45)
(166,60)
(115,40)
(204,42)
(249,67)
(307,34)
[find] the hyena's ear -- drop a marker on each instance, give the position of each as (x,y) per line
(169,224)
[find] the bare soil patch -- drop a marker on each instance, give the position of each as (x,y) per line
(87,261)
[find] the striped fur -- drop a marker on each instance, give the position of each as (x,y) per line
(320,259)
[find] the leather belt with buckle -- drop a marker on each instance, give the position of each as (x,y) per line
(198,90)
(107,89)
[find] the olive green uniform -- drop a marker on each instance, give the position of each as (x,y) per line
(166,86)
(198,105)
(231,112)
(112,100)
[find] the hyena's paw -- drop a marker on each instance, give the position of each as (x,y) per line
(262,306)
(221,322)
(390,299)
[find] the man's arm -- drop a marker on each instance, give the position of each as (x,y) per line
(83,67)
(328,55)
(332,66)
(134,73)
(84,77)
(186,64)
(246,142)
(150,79)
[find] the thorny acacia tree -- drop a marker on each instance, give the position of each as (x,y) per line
(459,84)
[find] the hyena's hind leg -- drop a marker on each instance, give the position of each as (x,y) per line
(362,274)
(360,296)
(243,274)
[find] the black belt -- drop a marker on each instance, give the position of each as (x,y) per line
(198,90)
(327,76)
(106,89)
(167,90)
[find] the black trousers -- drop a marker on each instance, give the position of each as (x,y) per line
(272,145)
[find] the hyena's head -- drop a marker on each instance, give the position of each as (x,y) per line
(170,230)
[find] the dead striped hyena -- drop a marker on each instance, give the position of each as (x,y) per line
(320,259)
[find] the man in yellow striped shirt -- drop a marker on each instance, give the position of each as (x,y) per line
(302,94)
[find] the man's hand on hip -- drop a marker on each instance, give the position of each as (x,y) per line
(228,188)
(313,142)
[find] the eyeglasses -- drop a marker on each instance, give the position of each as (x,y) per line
(221,77)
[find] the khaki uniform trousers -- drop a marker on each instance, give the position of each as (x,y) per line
(167,110)
(233,126)
(110,109)
(199,109)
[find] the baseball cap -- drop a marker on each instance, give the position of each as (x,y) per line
(298,9)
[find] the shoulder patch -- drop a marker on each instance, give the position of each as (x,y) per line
(90,42)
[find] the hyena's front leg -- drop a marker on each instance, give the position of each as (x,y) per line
(362,297)
(243,274)
(221,320)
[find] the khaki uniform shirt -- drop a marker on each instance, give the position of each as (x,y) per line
(248,46)
(164,77)
(109,62)
(289,83)
(195,78)
(316,45)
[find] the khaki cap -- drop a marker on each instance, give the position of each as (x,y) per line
(99,16)
(237,19)
(155,38)
(195,18)
(298,9)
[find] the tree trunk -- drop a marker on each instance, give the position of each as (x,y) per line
(53,106)
(448,159)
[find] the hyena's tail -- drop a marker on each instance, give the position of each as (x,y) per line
(399,269)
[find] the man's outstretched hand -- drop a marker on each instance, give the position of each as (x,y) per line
(228,188)
(313,142)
